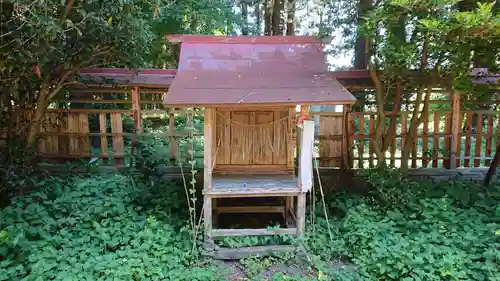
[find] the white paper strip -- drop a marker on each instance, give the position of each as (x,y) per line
(306,156)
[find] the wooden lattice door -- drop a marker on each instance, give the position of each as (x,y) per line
(252,137)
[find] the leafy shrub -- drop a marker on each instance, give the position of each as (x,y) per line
(424,231)
(16,169)
(97,228)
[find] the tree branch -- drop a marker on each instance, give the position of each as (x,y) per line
(65,12)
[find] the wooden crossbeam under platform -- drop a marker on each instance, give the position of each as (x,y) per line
(244,252)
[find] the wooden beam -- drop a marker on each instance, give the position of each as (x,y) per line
(172,141)
(455,128)
(347,156)
(253,232)
(301,214)
(290,163)
(136,114)
(207,216)
(249,193)
(207,169)
(250,209)
(190,129)
(245,252)
(207,152)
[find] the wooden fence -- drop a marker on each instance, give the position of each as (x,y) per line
(456,133)
(107,123)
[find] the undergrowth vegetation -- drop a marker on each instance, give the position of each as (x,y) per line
(136,227)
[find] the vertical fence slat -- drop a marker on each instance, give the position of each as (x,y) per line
(446,140)
(467,147)
(393,144)
(118,145)
(102,131)
(455,129)
(459,141)
(361,139)
(414,150)
(489,139)
(372,132)
(190,128)
(172,139)
(425,141)
(350,139)
(435,151)
(478,139)
(404,131)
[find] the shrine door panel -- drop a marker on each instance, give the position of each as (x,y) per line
(241,138)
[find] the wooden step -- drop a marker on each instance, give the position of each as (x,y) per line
(249,209)
(245,252)
(252,232)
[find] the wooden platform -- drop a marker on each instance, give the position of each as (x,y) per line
(253,185)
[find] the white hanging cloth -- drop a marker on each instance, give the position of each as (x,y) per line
(306,156)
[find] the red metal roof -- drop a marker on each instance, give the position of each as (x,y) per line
(253,70)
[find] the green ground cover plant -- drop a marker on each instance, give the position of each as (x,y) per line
(111,226)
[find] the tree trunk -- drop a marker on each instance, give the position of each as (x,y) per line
(258,17)
(380,120)
(244,17)
(360,52)
(37,116)
(493,167)
(290,19)
(411,132)
(268,18)
(278,26)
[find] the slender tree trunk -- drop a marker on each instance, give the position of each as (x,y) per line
(360,54)
(268,18)
(380,120)
(258,17)
(37,116)
(278,26)
(493,167)
(244,17)
(290,19)
(411,134)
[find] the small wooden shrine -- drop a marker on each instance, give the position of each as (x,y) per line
(251,88)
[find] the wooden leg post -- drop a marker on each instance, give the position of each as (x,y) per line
(215,213)
(208,217)
(301,213)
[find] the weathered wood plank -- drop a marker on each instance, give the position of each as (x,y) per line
(489,139)
(435,141)
(425,141)
(208,138)
(478,139)
(250,209)
(118,143)
(301,213)
(245,252)
(371,144)
(361,142)
(468,138)
(252,232)
(455,128)
(207,216)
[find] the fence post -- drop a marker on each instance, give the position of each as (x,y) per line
(455,128)
(136,109)
(347,157)
(136,114)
